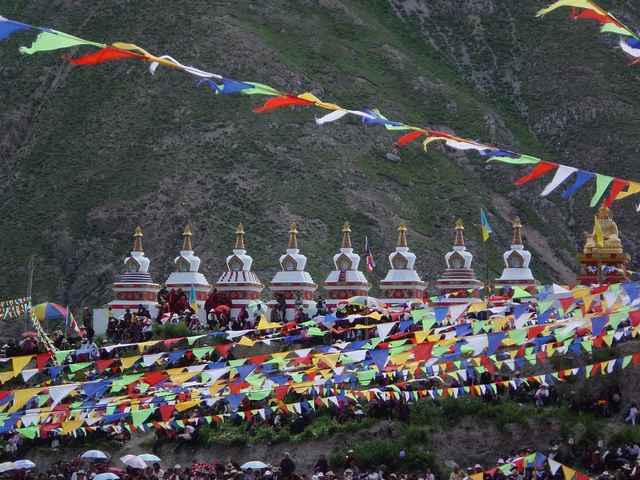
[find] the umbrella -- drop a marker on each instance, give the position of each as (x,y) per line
(254,306)
(6,467)
(364,301)
(106,476)
(149,458)
(51,311)
(133,462)
(254,465)
(94,455)
(30,333)
(23,464)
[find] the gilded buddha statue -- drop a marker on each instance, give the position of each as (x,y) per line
(610,235)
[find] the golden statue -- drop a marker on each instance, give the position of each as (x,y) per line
(610,241)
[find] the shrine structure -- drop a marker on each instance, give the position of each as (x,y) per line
(458,283)
(603,260)
(187,276)
(517,259)
(292,282)
(402,284)
(346,280)
(239,283)
(135,287)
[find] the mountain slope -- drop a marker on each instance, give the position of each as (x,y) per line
(90,153)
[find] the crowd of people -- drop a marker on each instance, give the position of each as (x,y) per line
(597,461)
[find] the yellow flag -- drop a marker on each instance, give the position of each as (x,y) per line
(180,378)
(143,345)
(569,473)
(127,362)
(632,189)
(246,342)
(597,233)
(477,307)
(182,406)
(71,425)
(6,376)
(587,4)
(22,396)
(20,362)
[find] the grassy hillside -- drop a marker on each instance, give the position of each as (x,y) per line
(90,153)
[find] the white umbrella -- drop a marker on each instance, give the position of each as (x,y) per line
(106,476)
(94,455)
(23,464)
(255,465)
(134,462)
(149,458)
(6,467)
(257,305)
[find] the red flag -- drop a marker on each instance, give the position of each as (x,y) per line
(591,15)
(102,365)
(42,359)
(166,412)
(539,170)
(282,101)
(407,138)
(616,187)
(107,54)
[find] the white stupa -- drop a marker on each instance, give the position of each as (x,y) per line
(459,277)
(187,277)
(402,283)
(293,281)
(135,286)
(239,283)
(516,272)
(346,280)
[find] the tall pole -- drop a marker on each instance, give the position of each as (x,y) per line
(31,267)
(486,268)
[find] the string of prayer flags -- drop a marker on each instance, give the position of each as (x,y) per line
(50,40)
(629,40)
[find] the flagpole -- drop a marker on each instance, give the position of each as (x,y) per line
(31,268)
(486,267)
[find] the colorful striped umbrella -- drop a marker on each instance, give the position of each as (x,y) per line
(51,311)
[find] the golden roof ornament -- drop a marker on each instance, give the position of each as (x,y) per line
(186,238)
(293,237)
(346,235)
(402,236)
(459,240)
(137,239)
(517,232)
(240,237)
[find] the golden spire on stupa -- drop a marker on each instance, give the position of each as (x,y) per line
(346,235)
(293,237)
(459,240)
(240,237)
(402,235)
(137,239)
(517,232)
(186,237)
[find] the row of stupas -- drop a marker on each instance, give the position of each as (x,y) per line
(401,285)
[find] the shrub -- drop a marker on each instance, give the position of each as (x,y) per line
(171,330)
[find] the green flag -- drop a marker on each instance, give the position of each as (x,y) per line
(54,40)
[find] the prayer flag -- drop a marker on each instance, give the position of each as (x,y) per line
(485,226)
(9,27)
(371,263)
(108,54)
(597,233)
